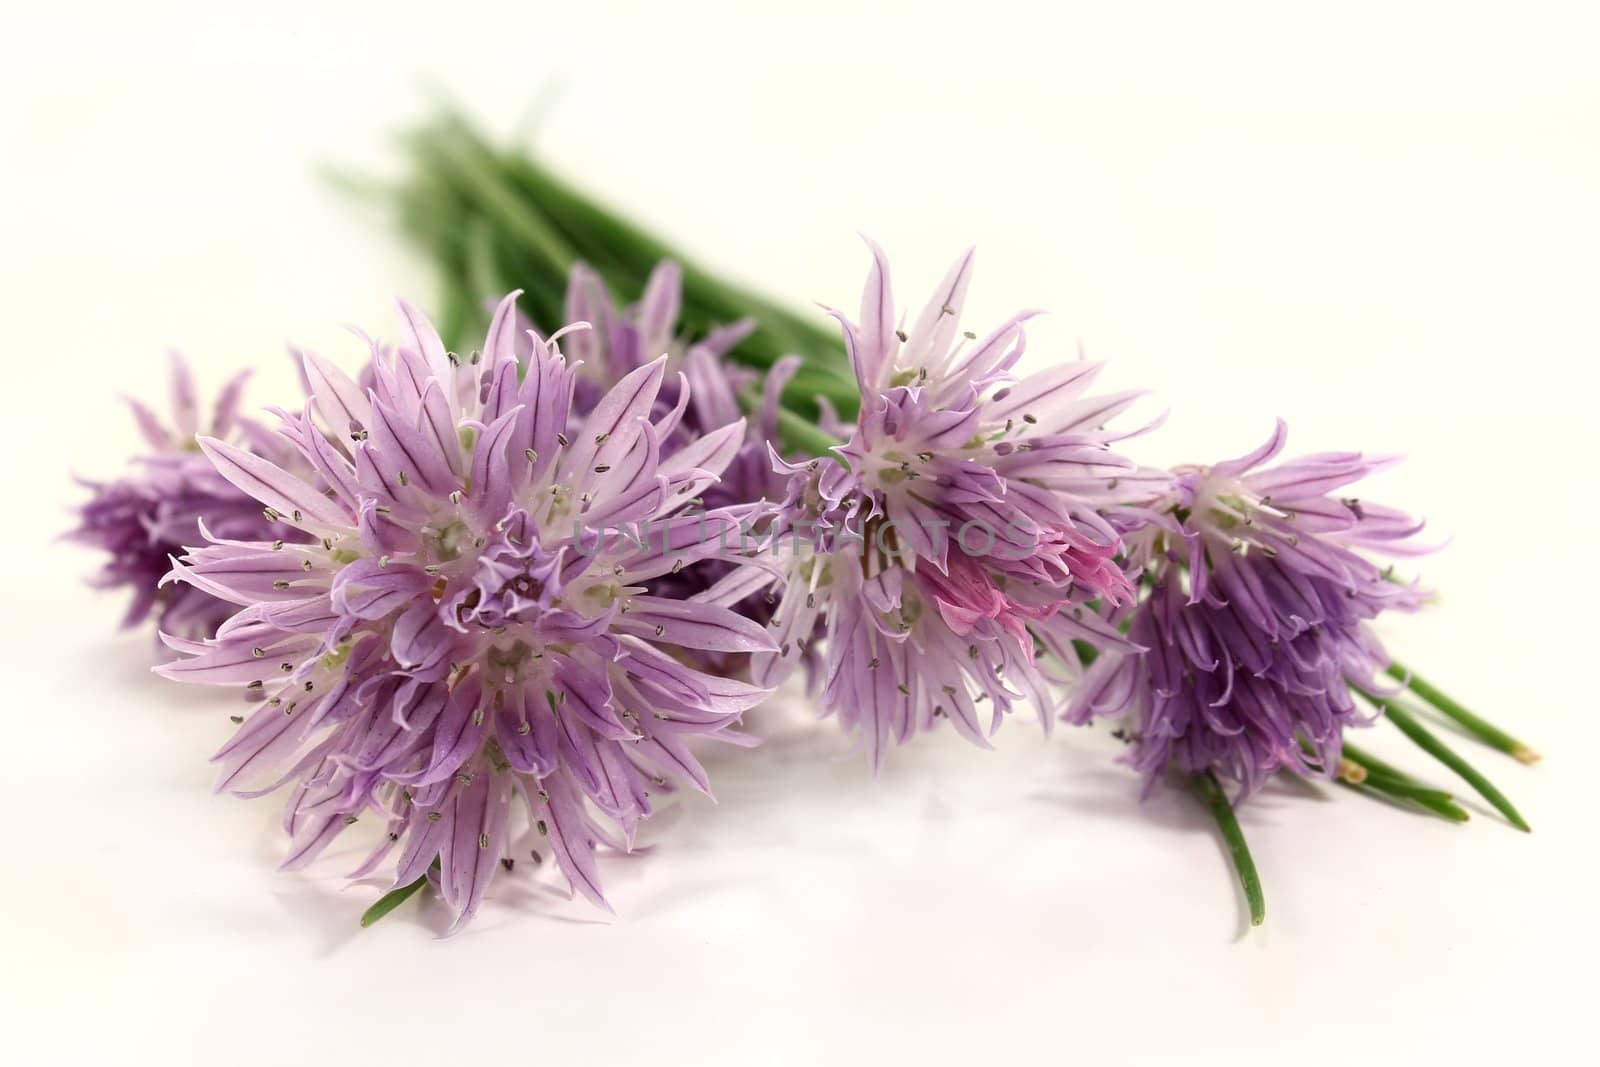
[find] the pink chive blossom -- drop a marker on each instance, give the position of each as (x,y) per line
(932,562)
(455,643)
(1262,583)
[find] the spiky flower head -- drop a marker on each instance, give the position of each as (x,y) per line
(1261,583)
(467,630)
(616,345)
(623,339)
(144,518)
(955,535)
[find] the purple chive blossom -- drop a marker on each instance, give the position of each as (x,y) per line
(624,339)
(955,537)
(1254,628)
(465,633)
(146,517)
(620,341)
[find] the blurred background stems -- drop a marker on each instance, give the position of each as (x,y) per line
(495,219)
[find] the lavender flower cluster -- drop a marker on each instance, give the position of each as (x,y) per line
(491,601)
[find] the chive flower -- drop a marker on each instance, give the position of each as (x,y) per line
(465,633)
(140,520)
(1261,584)
(936,560)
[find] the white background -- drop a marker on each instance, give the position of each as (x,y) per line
(1379,222)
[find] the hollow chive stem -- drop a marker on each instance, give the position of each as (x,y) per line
(621,249)
(603,228)
(1382,778)
(538,226)
(1210,793)
(1433,802)
(800,434)
(1436,801)
(1424,739)
(812,381)
(390,901)
(477,174)
(1375,765)
(1486,732)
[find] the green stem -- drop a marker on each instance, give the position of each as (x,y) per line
(1386,778)
(1382,778)
(618,247)
(1210,792)
(1374,765)
(640,251)
(797,434)
(390,901)
(478,175)
(1446,809)
(811,381)
(542,224)
(1486,732)
(1425,740)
